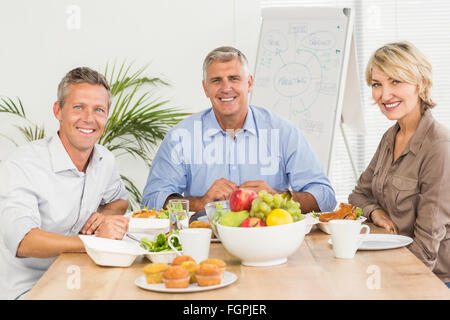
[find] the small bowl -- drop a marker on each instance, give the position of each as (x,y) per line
(264,246)
(211,211)
(162,257)
(111,253)
(324,225)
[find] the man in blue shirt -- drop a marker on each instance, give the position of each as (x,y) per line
(210,154)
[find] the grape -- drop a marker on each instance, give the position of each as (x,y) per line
(255,204)
(264,208)
(262,193)
(291,204)
(266,202)
(274,205)
(296,217)
(277,199)
(260,215)
(268,198)
(294,211)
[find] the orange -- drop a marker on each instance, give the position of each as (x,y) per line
(278,216)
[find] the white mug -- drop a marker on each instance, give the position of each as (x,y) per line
(346,236)
(194,242)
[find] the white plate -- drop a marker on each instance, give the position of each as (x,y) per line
(228,278)
(382,241)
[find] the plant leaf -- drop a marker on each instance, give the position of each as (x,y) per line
(135,195)
(7,105)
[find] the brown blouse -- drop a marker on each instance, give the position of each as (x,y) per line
(414,190)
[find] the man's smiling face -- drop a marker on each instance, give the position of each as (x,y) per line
(83,116)
(227,85)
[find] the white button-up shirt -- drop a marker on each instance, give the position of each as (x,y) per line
(40,187)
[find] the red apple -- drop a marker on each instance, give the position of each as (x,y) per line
(241,199)
(252,222)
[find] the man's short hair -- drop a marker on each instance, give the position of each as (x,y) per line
(81,75)
(224,54)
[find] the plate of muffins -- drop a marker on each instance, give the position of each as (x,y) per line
(185,275)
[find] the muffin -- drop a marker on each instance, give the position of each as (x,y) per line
(208,275)
(180,259)
(176,277)
(190,266)
(218,262)
(154,272)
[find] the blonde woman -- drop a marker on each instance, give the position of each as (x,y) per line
(406,187)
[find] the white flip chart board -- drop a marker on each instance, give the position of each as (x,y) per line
(301,68)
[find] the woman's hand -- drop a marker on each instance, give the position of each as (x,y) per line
(381,219)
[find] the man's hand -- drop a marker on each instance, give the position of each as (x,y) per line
(221,189)
(381,219)
(258,185)
(113,227)
(94,221)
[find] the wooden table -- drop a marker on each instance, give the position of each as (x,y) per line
(312,272)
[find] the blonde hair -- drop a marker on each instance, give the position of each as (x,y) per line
(404,62)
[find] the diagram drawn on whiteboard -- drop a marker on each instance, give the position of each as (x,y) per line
(297,70)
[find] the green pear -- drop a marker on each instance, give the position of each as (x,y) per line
(234,219)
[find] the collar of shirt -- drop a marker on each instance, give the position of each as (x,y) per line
(60,159)
(424,125)
(416,140)
(211,125)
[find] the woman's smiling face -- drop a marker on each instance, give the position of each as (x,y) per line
(395,99)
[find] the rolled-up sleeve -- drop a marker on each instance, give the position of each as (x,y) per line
(19,212)
(167,174)
(362,195)
(433,208)
(306,173)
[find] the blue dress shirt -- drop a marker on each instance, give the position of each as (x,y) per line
(196,152)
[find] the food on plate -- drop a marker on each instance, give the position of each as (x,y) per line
(176,277)
(345,211)
(233,219)
(218,262)
(279,216)
(180,259)
(252,222)
(147,213)
(160,243)
(191,267)
(208,274)
(241,199)
(154,272)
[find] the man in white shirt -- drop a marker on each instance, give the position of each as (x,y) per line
(53,189)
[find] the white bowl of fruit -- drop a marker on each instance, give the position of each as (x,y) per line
(260,229)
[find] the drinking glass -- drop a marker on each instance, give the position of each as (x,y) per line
(179,213)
